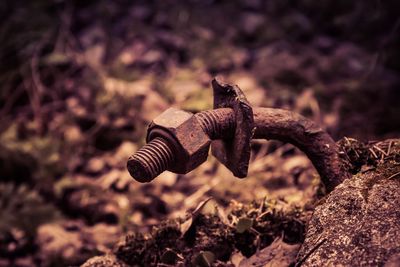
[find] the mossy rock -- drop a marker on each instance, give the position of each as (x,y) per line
(358,224)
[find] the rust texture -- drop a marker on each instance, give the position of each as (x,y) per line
(305,134)
(151,160)
(234,152)
(176,142)
(179,141)
(293,128)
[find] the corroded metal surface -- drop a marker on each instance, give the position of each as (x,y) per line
(234,152)
(176,142)
(183,139)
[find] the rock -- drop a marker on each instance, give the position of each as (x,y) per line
(359,222)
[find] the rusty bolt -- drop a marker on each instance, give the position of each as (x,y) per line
(176,142)
(150,160)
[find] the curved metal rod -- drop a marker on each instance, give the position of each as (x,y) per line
(269,123)
(317,144)
(293,128)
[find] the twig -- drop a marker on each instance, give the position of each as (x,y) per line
(393,176)
(263,214)
(347,140)
(373,152)
(355,151)
(262,204)
(389,148)
(383,153)
(380,150)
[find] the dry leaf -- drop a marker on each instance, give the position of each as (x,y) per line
(243,225)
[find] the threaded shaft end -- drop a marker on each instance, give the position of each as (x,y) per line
(150,161)
(217,123)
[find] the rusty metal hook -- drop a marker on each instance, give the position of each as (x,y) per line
(179,141)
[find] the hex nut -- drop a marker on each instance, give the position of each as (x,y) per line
(189,141)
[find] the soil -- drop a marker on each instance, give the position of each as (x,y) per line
(352,211)
(243,232)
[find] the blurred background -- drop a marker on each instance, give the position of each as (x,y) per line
(81,80)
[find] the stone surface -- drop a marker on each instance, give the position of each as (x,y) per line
(359,222)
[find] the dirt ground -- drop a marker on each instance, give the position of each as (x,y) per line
(81,80)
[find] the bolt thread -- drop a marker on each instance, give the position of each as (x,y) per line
(217,123)
(150,161)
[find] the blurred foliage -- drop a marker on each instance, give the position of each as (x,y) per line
(44,150)
(22,211)
(24,208)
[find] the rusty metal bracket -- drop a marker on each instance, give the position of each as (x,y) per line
(234,152)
